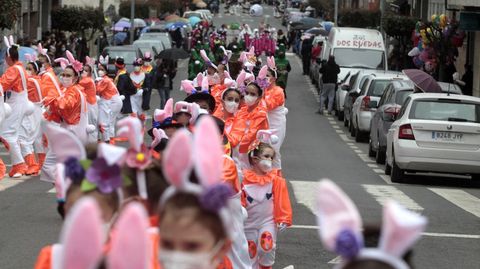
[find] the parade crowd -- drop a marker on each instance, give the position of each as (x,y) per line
(207,192)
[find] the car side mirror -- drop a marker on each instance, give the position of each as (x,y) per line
(345,87)
(373,104)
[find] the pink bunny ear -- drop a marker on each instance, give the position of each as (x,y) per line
(112,154)
(208,152)
(169,107)
(241,78)
(187,86)
(335,213)
(263,72)
(199,79)
(400,229)
(252,50)
(158,135)
(226,74)
(66,143)
(60,182)
(204,56)
(82,235)
(228,82)
(182,106)
(205,85)
(131,128)
(70,57)
(177,159)
(63,62)
(130,245)
(271,63)
(194,110)
(243,57)
(159,115)
(249,77)
(89,61)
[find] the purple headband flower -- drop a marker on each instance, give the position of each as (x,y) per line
(216,197)
(348,245)
(74,170)
(106,177)
(263,83)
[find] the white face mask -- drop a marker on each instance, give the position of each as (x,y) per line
(265,165)
(250,100)
(101,73)
(66,82)
(42,69)
(185,260)
(136,68)
(231,106)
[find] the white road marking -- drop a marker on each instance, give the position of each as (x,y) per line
(353,147)
(365,158)
(378,171)
(52,190)
(387,179)
(336,127)
(7,182)
(383,193)
(351,144)
(460,198)
(304,192)
(372,165)
(339,131)
(336,260)
(345,138)
(447,235)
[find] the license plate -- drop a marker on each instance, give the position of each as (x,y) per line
(447,136)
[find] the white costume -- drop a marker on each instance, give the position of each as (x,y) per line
(136,99)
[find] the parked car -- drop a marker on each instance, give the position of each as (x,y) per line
(362,111)
(450,88)
(286,15)
(159,37)
(340,94)
(152,46)
(388,107)
(128,53)
(356,84)
(435,132)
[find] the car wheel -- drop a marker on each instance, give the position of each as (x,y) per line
(371,152)
(351,128)
(388,169)
(345,121)
(397,173)
(380,156)
(358,135)
(340,115)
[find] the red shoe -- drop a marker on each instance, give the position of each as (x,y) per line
(18,170)
(3,169)
(32,164)
(41,159)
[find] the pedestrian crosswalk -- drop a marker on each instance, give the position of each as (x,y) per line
(304,193)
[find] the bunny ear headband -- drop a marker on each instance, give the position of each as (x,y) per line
(82,237)
(271,64)
(9,42)
(207,60)
(227,54)
(32,58)
(42,51)
(72,166)
(103,60)
(262,80)
(340,228)
(70,61)
(263,136)
(178,163)
(90,61)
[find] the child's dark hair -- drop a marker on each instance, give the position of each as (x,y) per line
(230,90)
(173,210)
(74,71)
(272,72)
(37,65)
(13,53)
(156,184)
(259,89)
(259,149)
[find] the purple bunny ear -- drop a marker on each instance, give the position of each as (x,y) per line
(131,244)
(208,152)
(82,236)
(131,128)
(177,159)
(400,229)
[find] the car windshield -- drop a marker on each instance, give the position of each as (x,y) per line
(445,110)
(359,58)
(188,15)
(401,96)
(377,87)
(128,55)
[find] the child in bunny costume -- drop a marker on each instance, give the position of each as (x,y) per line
(110,103)
(90,91)
(195,214)
(341,230)
(14,80)
(267,202)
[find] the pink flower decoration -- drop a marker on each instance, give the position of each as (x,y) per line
(139,159)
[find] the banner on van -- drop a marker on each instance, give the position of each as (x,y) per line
(359,41)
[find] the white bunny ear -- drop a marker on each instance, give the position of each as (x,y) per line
(131,128)
(82,236)
(208,152)
(177,159)
(60,182)
(400,229)
(66,143)
(130,245)
(12,42)
(112,154)
(335,213)
(7,43)
(158,135)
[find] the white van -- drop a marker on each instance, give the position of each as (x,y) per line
(354,49)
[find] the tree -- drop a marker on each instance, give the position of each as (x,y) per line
(9,14)
(78,19)
(141,10)
(359,18)
(400,28)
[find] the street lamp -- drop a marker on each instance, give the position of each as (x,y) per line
(132,21)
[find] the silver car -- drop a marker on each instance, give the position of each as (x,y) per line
(362,111)
(355,85)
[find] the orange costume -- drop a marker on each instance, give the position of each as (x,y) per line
(109,106)
(14,80)
(227,118)
(274,99)
(246,125)
(90,92)
(268,206)
(50,84)
(216,91)
(89,89)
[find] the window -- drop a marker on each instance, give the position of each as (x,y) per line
(400,96)
(404,107)
(364,87)
(360,58)
(377,87)
(445,110)
(385,96)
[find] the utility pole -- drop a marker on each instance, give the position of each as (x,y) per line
(132,24)
(335,19)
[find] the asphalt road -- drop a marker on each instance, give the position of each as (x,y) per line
(315,147)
